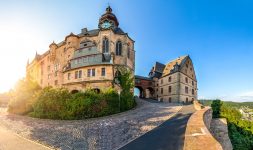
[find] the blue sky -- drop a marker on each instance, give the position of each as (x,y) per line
(218,36)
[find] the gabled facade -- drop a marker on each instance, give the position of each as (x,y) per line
(173,82)
(178,81)
(86,60)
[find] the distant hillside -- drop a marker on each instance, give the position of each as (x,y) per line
(228,103)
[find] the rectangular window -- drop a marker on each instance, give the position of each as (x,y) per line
(89,73)
(76,74)
(93,72)
(80,73)
(192,91)
(192,83)
(186,90)
(103,72)
(56,82)
(69,75)
(169,89)
(169,79)
(162,81)
(85,59)
(186,79)
(79,60)
(161,90)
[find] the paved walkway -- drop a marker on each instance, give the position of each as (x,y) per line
(105,133)
(10,141)
(167,136)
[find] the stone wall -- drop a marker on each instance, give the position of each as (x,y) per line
(197,135)
(220,132)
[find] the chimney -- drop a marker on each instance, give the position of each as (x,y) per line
(84,30)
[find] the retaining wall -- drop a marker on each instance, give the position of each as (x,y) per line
(197,135)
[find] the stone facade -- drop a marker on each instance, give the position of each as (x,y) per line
(85,60)
(173,82)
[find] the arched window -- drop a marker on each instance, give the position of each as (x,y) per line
(118,48)
(105,46)
(117,73)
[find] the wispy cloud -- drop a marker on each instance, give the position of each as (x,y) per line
(240,97)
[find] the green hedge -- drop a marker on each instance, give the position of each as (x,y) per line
(61,104)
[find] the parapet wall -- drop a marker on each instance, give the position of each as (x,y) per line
(197,135)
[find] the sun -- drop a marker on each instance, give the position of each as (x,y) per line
(18,43)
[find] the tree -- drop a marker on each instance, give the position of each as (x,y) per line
(23,96)
(216,106)
(126,82)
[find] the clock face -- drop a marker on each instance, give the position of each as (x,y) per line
(106,25)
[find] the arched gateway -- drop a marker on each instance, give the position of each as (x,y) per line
(145,86)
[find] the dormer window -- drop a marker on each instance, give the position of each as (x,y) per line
(118,48)
(105,48)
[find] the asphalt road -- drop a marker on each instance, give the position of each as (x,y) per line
(167,136)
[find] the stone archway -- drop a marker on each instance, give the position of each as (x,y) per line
(74,91)
(96,90)
(149,92)
(141,92)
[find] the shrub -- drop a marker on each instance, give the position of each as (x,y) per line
(61,104)
(23,96)
(51,103)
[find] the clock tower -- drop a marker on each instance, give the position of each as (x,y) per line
(108,20)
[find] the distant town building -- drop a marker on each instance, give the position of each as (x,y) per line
(87,60)
(173,82)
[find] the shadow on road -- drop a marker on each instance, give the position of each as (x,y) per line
(167,136)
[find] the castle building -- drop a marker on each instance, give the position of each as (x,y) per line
(174,82)
(87,60)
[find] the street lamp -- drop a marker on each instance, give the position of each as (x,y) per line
(119,92)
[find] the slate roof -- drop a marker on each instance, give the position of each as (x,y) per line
(89,33)
(95,32)
(170,66)
(141,77)
(159,67)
